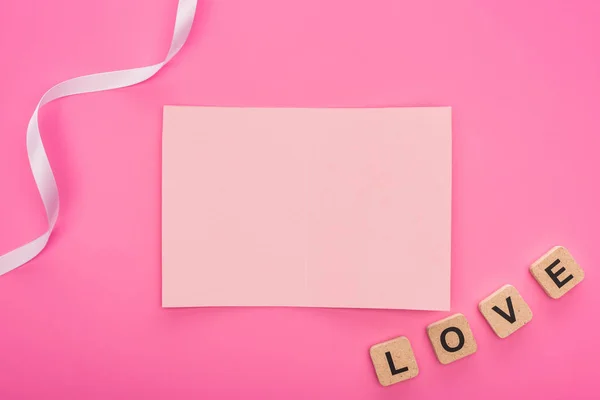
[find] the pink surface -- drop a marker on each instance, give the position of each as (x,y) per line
(84,320)
(310,207)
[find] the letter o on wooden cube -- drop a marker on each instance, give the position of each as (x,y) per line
(452,338)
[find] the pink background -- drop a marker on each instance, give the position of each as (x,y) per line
(84,321)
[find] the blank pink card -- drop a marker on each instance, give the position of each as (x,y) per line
(307,207)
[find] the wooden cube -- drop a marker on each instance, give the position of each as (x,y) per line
(505,311)
(557,272)
(394,361)
(452,338)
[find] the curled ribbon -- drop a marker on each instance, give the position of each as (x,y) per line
(38,160)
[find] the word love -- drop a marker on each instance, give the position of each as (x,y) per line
(504,310)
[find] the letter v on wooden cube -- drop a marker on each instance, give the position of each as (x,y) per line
(505,311)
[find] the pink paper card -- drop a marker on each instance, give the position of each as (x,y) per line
(307,207)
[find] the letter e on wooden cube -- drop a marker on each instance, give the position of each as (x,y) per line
(557,272)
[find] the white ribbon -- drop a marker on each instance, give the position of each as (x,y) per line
(38,160)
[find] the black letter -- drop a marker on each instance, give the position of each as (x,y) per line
(554,275)
(461,339)
(393,369)
(511,317)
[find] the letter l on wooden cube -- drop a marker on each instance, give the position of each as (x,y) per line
(394,361)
